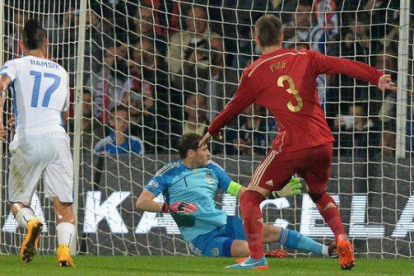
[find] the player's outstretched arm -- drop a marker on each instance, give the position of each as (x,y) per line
(207,138)
(355,69)
(146,202)
(293,187)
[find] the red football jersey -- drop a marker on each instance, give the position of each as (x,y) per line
(284,82)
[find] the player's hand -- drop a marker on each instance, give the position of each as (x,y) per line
(292,188)
(11,122)
(207,138)
(385,83)
(179,207)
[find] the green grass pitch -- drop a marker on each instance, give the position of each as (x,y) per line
(105,265)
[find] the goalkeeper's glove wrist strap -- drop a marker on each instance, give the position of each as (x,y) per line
(165,208)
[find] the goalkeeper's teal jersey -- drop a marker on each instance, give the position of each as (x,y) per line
(177,182)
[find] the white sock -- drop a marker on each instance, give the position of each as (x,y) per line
(24,215)
(65,233)
(325,251)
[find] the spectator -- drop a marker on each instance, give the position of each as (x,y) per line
(391,39)
(382,13)
(217,82)
(352,132)
(148,76)
(247,52)
(52,25)
(238,16)
(13,35)
(109,83)
(195,110)
(92,130)
(145,27)
(356,45)
(143,120)
(251,139)
(143,60)
(98,35)
(314,27)
(300,28)
(119,142)
(327,28)
(184,43)
(69,33)
(357,42)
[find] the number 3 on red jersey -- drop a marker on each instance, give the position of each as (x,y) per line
(291,90)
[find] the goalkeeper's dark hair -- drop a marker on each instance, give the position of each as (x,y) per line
(268,29)
(33,35)
(188,142)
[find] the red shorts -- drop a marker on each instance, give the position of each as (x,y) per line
(312,164)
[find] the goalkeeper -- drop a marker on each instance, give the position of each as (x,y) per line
(189,186)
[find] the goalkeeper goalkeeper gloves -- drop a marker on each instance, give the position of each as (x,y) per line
(291,188)
(179,207)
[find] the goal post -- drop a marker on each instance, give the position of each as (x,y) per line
(78,101)
(2,175)
(403,63)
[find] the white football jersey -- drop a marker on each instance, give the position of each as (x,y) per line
(40,89)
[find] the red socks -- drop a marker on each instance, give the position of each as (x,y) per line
(330,215)
(252,221)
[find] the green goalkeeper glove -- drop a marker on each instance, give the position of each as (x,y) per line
(291,188)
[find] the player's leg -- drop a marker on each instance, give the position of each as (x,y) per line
(216,243)
(239,247)
(65,230)
(263,181)
(270,233)
(26,168)
(58,180)
(293,240)
(316,175)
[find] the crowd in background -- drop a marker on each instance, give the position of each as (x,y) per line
(154,70)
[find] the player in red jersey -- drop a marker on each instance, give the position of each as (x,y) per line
(284,81)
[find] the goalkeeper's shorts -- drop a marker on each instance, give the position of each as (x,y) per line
(217,243)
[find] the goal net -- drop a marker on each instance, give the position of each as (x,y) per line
(143,73)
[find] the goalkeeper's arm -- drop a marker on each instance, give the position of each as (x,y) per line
(291,188)
(146,202)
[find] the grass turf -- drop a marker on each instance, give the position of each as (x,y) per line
(108,265)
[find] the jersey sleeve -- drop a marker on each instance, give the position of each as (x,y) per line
(156,185)
(223,178)
(243,97)
(67,101)
(333,65)
(9,69)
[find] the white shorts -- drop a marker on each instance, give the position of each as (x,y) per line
(50,157)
